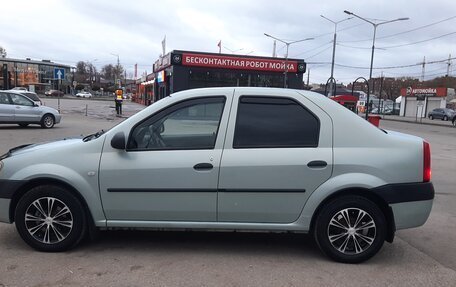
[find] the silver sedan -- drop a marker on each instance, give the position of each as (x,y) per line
(18,109)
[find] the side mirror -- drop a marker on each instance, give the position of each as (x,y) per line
(118,141)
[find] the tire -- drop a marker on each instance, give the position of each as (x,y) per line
(23,125)
(342,245)
(431,117)
(47,121)
(48,232)
(445,118)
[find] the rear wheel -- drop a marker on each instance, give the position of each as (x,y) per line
(47,121)
(350,229)
(445,118)
(431,117)
(49,218)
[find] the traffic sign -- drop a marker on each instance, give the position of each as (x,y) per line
(59,73)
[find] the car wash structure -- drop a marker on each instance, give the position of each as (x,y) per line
(182,70)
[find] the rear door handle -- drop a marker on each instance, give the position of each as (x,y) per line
(203,166)
(317,164)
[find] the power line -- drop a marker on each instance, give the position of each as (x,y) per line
(418,42)
(396,67)
(404,32)
(319,52)
(397,46)
(313,49)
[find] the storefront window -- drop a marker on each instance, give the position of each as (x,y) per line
(203,78)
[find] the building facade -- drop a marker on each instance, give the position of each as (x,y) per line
(417,102)
(36,76)
(182,70)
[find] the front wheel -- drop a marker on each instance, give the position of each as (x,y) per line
(445,118)
(47,121)
(350,229)
(431,117)
(49,218)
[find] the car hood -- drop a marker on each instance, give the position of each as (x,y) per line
(51,145)
(47,109)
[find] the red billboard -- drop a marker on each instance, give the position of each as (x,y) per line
(424,92)
(239,63)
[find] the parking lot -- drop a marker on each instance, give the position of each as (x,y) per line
(425,256)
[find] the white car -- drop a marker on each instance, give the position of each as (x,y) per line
(84,94)
(263,159)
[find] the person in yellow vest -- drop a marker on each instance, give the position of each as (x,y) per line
(118,100)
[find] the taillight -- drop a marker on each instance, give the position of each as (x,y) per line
(426,162)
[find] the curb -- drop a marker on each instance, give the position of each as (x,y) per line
(422,123)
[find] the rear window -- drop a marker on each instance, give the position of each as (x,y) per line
(32,96)
(268,122)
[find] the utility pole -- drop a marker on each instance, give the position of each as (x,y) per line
(448,65)
(375,25)
(308,75)
(285,74)
(334,51)
(274,49)
(423,69)
(380,94)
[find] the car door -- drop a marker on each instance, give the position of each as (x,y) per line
(277,152)
(25,109)
(6,109)
(169,170)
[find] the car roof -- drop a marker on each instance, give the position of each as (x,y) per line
(22,93)
(31,95)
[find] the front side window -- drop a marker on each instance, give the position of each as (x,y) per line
(20,100)
(188,125)
(267,122)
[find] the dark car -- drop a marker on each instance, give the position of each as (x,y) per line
(442,114)
(54,93)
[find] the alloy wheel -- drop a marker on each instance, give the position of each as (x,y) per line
(48,220)
(351,231)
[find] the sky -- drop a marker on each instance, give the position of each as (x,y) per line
(98,30)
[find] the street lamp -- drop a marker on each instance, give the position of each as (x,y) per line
(373,44)
(118,68)
(285,85)
(334,47)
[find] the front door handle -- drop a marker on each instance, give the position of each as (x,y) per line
(317,164)
(203,166)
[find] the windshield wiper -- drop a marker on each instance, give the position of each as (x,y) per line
(93,136)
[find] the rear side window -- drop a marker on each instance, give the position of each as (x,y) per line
(4,99)
(268,122)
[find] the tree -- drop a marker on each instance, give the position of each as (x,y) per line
(86,72)
(111,72)
(2,52)
(107,72)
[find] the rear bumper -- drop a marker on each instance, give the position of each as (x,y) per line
(405,192)
(411,203)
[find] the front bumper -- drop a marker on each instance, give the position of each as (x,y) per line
(57,118)
(411,203)
(7,190)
